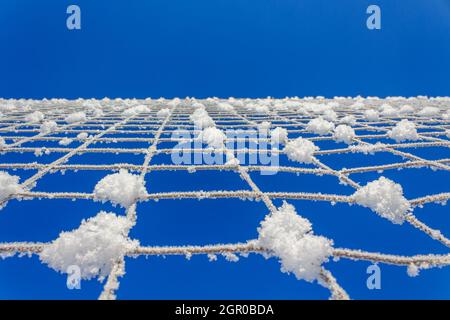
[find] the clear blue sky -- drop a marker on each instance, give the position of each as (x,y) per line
(225,48)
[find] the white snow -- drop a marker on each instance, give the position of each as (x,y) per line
(350,120)
(133,111)
(446,116)
(201,119)
(404,130)
(34,117)
(385,197)
(9,185)
(223,106)
(330,115)
(2,142)
(367,148)
(344,133)
(163,113)
(406,109)
(75,117)
(48,126)
(301,150)
(94,247)
(279,136)
(213,137)
(264,127)
(371,115)
(413,270)
(388,111)
(429,112)
(96,112)
(320,126)
(231,257)
(120,188)
(65,141)
(82,135)
(289,237)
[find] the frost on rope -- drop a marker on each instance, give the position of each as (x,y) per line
(94,247)
(367,148)
(404,130)
(75,117)
(163,113)
(120,188)
(350,120)
(289,237)
(135,110)
(9,185)
(320,126)
(385,197)
(429,112)
(201,119)
(279,136)
(36,116)
(213,137)
(301,150)
(344,133)
(65,141)
(48,126)
(371,115)
(264,127)
(82,135)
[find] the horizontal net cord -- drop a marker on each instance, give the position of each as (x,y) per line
(162,167)
(210,150)
(168,167)
(152,126)
(149,140)
(434,260)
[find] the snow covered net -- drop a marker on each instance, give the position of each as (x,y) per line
(295,125)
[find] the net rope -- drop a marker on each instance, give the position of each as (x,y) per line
(433,132)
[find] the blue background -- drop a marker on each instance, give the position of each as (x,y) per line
(225,48)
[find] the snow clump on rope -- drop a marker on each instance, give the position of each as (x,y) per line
(385,197)
(94,247)
(301,150)
(289,237)
(120,188)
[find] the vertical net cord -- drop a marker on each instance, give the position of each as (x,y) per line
(327,279)
(118,270)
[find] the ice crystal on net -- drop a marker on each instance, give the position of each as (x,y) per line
(404,130)
(429,112)
(320,126)
(135,110)
(65,141)
(75,117)
(289,237)
(212,137)
(48,127)
(344,133)
(122,188)
(385,197)
(279,136)
(371,115)
(94,247)
(163,113)
(201,118)
(82,135)
(9,185)
(36,116)
(301,150)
